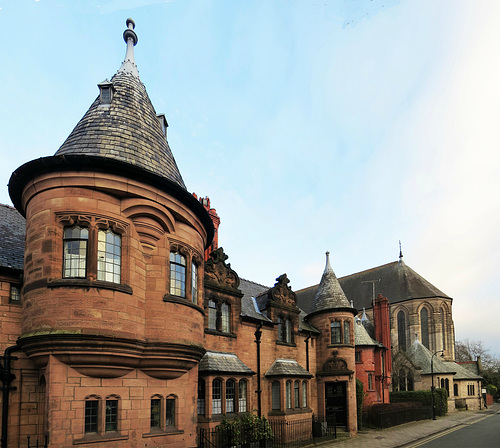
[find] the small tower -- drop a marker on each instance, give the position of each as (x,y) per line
(332,314)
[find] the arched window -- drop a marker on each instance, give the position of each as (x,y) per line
(335,332)
(109,255)
(217,397)
(155,414)
(170,413)
(177,274)
(347,332)
(92,415)
(402,331)
(212,315)
(242,396)
(201,397)
(111,417)
(424,326)
(455,389)
(443,328)
(230,393)
(75,241)
(296,394)
(370,381)
(276,396)
(289,395)
(304,394)
(225,320)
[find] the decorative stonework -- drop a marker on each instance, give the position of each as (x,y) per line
(335,366)
(99,221)
(282,293)
(219,272)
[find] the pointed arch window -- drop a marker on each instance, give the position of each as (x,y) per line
(217,397)
(401,331)
(242,396)
(230,395)
(289,395)
(443,328)
(296,394)
(304,394)
(424,326)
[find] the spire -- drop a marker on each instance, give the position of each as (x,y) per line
(400,252)
(130,38)
(329,294)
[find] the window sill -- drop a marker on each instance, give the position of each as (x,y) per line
(339,345)
(290,412)
(96,438)
(158,432)
(85,283)
(219,333)
(182,301)
(286,344)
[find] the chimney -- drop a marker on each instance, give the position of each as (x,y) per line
(382,324)
(216,221)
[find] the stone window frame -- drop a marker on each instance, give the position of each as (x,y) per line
(342,322)
(403,332)
(114,419)
(425,336)
(101,434)
(201,397)
(15,294)
(358,357)
(193,261)
(287,400)
(208,404)
(216,323)
(171,425)
(285,330)
(370,381)
(94,223)
(164,428)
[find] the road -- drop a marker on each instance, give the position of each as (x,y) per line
(483,433)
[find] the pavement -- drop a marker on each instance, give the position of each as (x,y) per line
(409,434)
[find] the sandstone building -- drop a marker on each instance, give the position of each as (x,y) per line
(123,325)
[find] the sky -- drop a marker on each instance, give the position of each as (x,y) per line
(313,126)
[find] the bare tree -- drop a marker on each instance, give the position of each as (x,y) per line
(470,350)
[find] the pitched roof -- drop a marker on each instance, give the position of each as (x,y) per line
(361,336)
(421,357)
(396,281)
(287,367)
(223,362)
(12,231)
(329,294)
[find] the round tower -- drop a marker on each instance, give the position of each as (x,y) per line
(332,314)
(115,242)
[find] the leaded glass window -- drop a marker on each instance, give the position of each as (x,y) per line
(109,254)
(347,332)
(75,242)
(170,412)
(230,395)
(155,412)
(242,396)
(111,415)
(401,331)
(276,396)
(177,274)
(91,416)
(335,330)
(217,397)
(225,318)
(424,326)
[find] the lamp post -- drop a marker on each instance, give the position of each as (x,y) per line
(432,379)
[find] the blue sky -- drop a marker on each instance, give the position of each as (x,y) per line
(311,125)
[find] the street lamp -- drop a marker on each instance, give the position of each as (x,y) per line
(432,379)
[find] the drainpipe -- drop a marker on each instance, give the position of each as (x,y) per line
(7,377)
(307,351)
(258,334)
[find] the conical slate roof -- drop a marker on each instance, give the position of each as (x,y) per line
(329,295)
(127,129)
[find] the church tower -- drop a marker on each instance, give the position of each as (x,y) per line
(332,315)
(112,315)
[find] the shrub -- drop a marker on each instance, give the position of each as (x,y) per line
(246,428)
(360,395)
(424,397)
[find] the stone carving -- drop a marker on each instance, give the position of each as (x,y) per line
(282,293)
(218,271)
(335,366)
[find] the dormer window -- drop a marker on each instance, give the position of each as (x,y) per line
(106,89)
(163,123)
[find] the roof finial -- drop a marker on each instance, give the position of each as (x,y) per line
(400,252)
(328,267)
(130,39)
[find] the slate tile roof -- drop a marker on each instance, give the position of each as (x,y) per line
(12,234)
(421,357)
(398,282)
(361,336)
(287,367)
(127,130)
(223,362)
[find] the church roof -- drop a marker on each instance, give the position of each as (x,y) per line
(396,281)
(329,294)
(12,231)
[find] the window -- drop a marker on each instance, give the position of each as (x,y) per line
(401,331)
(242,397)
(470,389)
(230,392)
(75,242)
(370,381)
(347,332)
(443,328)
(285,330)
(280,330)
(357,356)
(177,274)
(335,330)
(276,396)
(111,415)
(402,380)
(296,394)
(455,390)
(194,283)
(445,384)
(304,394)
(424,326)
(155,412)
(288,328)
(201,397)
(217,397)
(15,294)
(225,318)
(109,246)
(289,395)
(212,315)
(91,416)
(170,412)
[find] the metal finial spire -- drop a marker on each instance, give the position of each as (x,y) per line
(130,39)
(400,252)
